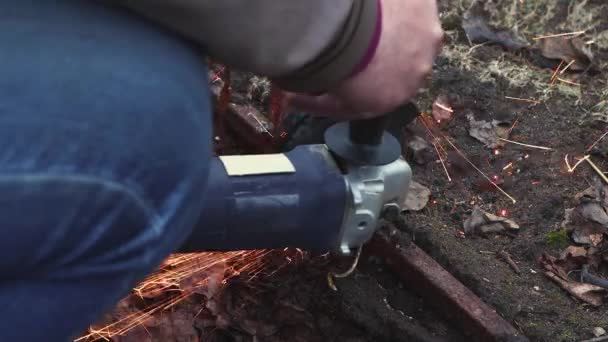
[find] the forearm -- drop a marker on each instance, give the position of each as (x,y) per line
(306,46)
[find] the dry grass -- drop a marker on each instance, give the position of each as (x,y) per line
(530,19)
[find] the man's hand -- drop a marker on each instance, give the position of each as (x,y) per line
(410,39)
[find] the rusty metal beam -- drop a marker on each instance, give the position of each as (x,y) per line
(425,276)
(250,127)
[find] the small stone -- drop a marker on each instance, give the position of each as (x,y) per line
(417,197)
(421,150)
(599,331)
(533,271)
(536,288)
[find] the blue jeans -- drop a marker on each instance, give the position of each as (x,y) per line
(104,152)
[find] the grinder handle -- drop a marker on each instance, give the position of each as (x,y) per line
(368,131)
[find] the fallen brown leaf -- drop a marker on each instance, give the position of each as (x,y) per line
(586,292)
(573,251)
(484,223)
(478,30)
(489,133)
(567,49)
(557,270)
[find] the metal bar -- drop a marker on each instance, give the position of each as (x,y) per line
(426,277)
(252,128)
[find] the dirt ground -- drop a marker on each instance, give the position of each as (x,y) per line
(372,305)
(480,78)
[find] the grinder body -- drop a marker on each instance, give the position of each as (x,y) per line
(331,199)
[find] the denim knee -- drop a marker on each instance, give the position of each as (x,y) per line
(105,140)
(108,105)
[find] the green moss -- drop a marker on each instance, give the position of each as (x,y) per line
(567,336)
(557,238)
(600,110)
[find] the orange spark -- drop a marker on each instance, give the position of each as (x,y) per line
(503,212)
(442,163)
(577,33)
(524,100)
(217,75)
(467,160)
(496,152)
(183,274)
(526,145)
(508,166)
(480,172)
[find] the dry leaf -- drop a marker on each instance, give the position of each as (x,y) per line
(488,133)
(557,270)
(567,49)
(483,223)
(573,251)
(588,293)
(478,31)
(417,197)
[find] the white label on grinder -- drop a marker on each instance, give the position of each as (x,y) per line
(257,164)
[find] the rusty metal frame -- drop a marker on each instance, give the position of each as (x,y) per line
(460,305)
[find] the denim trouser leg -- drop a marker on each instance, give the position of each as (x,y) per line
(104,150)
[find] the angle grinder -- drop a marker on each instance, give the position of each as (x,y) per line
(320,197)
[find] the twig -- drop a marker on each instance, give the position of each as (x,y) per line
(527,145)
(524,100)
(572,168)
(556,72)
(476,46)
(577,33)
(567,82)
(597,339)
(597,169)
(570,287)
(332,275)
(442,163)
(507,258)
(589,278)
(567,66)
(597,141)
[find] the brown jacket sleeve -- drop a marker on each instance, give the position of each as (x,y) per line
(305,45)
